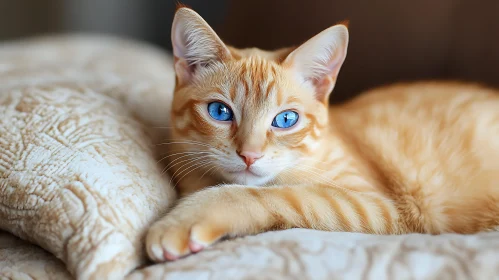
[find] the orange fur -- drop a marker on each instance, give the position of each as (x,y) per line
(179,5)
(421,157)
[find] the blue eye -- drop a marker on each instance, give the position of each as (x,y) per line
(220,111)
(285,119)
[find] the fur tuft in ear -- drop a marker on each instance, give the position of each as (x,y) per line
(318,61)
(180,6)
(195,44)
(345,23)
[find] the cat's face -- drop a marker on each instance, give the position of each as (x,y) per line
(249,115)
(250,105)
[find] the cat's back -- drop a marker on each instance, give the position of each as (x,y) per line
(436,145)
(419,96)
(425,114)
(435,108)
(436,113)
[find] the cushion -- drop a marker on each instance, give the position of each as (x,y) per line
(77,171)
(22,260)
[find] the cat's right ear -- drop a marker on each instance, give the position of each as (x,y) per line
(195,45)
(317,62)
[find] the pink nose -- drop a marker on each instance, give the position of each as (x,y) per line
(250,157)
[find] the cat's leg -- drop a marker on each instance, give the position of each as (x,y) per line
(232,210)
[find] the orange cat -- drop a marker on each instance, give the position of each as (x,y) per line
(256,126)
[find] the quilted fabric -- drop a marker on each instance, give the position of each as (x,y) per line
(22,260)
(77,172)
(300,254)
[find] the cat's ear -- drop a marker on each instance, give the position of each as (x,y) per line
(195,44)
(318,61)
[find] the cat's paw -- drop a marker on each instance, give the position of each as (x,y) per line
(197,222)
(168,241)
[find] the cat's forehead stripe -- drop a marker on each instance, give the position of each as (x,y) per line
(292,99)
(279,97)
(258,77)
(233,93)
(270,87)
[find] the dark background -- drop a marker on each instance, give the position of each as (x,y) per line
(391,40)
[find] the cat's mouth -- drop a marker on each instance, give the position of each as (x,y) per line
(255,176)
(246,171)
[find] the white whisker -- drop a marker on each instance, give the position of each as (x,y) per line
(196,165)
(184,142)
(185,160)
(183,153)
(206,172)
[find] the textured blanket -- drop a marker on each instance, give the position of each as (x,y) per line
(297,254)
(80,183)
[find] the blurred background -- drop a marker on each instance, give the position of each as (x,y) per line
(391,40)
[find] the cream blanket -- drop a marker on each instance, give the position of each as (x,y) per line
(79,117)
(297,254)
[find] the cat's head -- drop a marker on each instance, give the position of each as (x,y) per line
(250,114)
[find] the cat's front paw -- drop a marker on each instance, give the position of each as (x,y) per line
(197,222)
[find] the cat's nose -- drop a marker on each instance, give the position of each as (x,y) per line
(250,157)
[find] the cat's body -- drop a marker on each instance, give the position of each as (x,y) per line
(420,157)
(432,148)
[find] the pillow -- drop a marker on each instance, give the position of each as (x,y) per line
(77,170)
(21,260)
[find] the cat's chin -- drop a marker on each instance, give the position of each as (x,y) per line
(247,177)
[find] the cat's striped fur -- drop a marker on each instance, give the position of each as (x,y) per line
(407,158)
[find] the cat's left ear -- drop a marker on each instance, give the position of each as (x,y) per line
(195,45)
(318,61)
